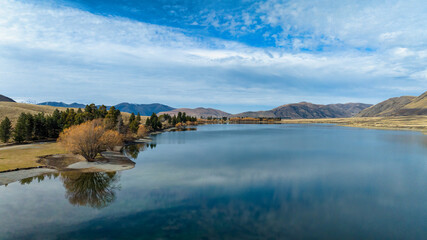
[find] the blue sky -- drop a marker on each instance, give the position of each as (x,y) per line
(233,55)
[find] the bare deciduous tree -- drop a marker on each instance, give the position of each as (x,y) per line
(89,138)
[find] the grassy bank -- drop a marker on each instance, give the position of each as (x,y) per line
(26,156)
(414,123)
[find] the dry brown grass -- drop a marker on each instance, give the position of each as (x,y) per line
(13,110)
(25,156)
(417,123)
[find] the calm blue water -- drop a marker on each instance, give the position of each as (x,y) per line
(237,182)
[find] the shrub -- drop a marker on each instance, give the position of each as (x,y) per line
(89,138)
(142,131)
(110,139)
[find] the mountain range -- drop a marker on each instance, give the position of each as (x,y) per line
(61,104)
(309,110)
(143,109)
(289,111)
(398,106)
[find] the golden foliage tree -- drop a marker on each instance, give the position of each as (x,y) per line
(111,138)
(88,139)
(142,131)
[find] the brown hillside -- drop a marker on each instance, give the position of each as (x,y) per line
(418,106)
(309,110)
(12,110)
(259,114)
(387,107)
(305,110)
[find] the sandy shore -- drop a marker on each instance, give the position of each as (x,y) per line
(108,162)
(13,176)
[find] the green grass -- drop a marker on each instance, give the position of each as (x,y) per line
(25,156)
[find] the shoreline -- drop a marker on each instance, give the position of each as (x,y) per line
(109,161)
(406,123)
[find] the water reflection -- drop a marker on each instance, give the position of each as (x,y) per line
(133,150)
(241,182)
(96,190)
(39,178)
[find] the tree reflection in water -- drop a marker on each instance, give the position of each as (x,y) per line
(133,150)
(95,190)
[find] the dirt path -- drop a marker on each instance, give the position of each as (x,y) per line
(23,146)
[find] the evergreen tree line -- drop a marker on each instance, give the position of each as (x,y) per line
(154,122)
(39,126)
(181,117)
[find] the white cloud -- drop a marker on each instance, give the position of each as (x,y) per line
(372,24)
(49,53)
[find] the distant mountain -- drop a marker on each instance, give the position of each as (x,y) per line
(199,112)
(5,99)
(352,108)
(61,104)
(398,106)
(418,106)
(258,114)
(307,110)
(143,109)
(387,107)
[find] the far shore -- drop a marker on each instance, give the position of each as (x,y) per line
(411,123)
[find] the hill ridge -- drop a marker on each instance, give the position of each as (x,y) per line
(398,106)
(307,110)
(6,99)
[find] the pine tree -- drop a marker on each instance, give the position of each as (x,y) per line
(179,117)
(120,126)
(29,127)
(138,118)
(102,111)
(111,119)
(132,118)
(184,117)
(70,119)
(40,126)
(54,126)
(134,125)
(19,131)
(79,118)
(5,130)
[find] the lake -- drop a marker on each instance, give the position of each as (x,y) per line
(237,182)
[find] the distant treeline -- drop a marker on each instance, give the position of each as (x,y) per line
(252,119)
(39,126)
(155,123)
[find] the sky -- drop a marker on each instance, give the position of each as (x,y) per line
(236,55)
